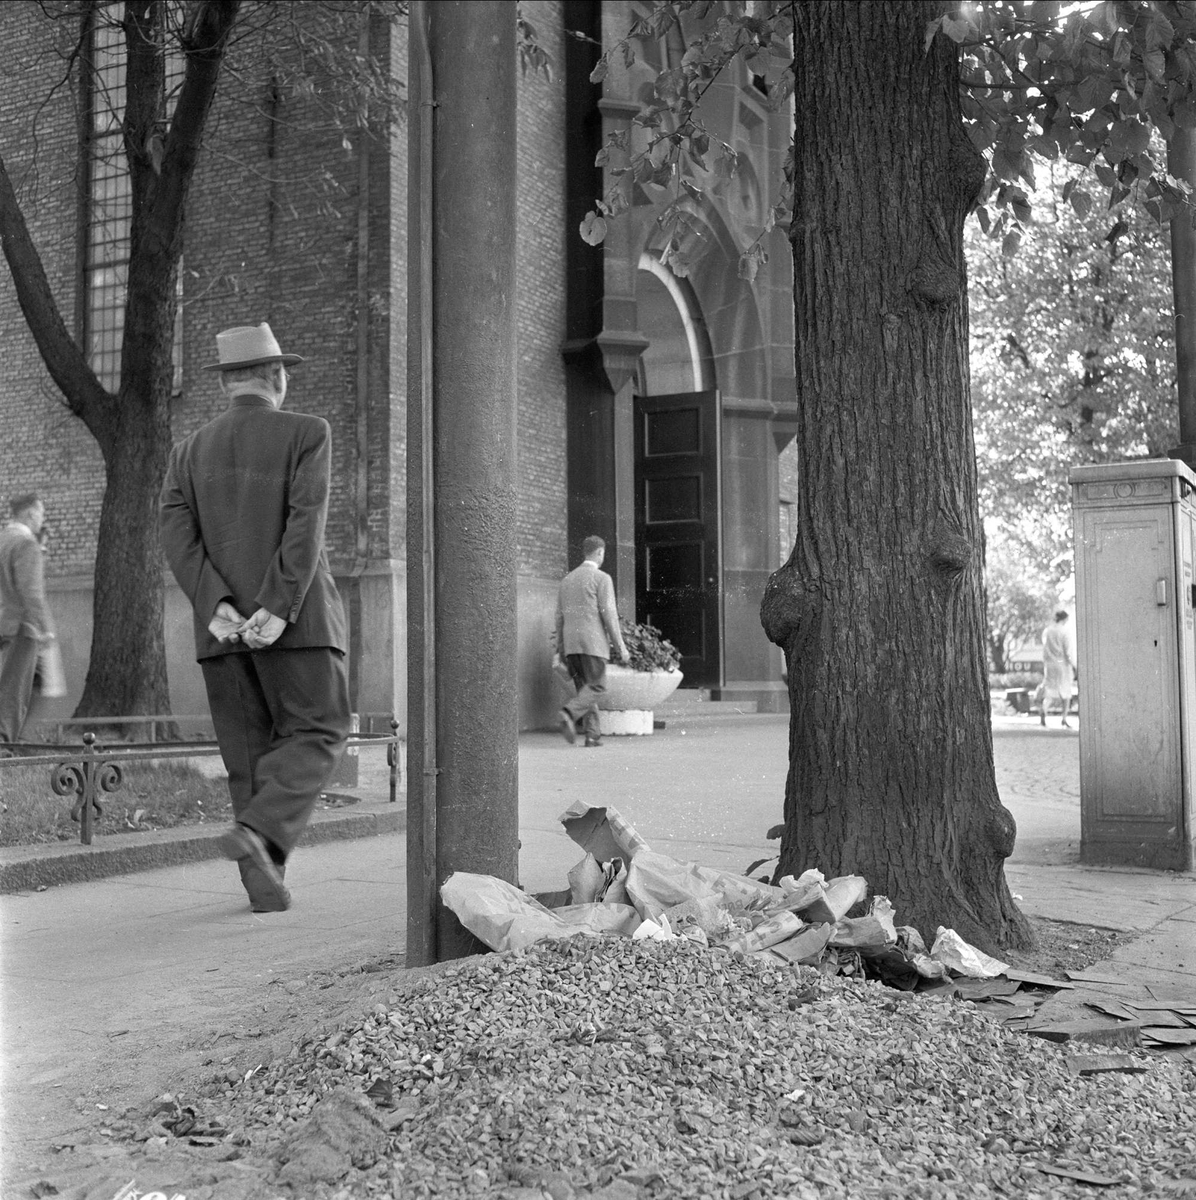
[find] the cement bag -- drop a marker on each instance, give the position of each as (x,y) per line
(505,918)
(656,883)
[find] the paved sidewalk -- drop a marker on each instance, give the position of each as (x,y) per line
(97,971)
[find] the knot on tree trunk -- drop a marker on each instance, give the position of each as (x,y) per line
(936,280)
(789,609)
(1003,832)
(950,551)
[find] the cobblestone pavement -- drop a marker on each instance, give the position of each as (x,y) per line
(1038,778)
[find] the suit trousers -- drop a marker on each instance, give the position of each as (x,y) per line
(588,673)
(18,664)
(281,717)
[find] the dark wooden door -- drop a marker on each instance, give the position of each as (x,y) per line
(678,502)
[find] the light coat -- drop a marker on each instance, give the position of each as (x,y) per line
(23,607)
(587,620)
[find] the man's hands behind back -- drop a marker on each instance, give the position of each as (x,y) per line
(257,632)
(262,629)
(226,624)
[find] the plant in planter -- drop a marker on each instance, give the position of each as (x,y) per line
(650,650)
(635,688)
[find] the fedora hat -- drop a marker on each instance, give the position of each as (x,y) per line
(248,345)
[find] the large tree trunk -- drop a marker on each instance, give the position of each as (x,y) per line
(126,673)
(880,607)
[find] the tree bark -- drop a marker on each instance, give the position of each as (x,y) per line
(880,608)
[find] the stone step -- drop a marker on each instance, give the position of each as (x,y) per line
(696,702)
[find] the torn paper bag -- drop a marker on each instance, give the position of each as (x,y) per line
(506,918)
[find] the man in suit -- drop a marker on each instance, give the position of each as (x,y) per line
(587,625)
(25,624)
(242,513)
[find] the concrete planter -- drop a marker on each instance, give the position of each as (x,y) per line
(637,690)
(625,709)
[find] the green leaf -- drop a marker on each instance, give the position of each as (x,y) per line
(1081,201)
(1011,242)
(1045,12)
(1128,138)
(593,229)
(1159,31)
(1104,17)
(959,29)
(725,166)
(1003,168)
(599,73)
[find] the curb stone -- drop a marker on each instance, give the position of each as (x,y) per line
(27,868)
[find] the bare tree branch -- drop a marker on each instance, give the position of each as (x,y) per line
(65,361)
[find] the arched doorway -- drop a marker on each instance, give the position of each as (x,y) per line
(678,477)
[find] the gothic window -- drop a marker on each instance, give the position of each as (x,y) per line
(109,199)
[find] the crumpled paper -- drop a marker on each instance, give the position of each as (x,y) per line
(603,832)
(873,932)
(955,954)
(592,882)
(624,887)
(768,933)
(818,900)
(656,883)
(505,918)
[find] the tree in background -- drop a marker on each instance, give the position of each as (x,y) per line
(1020,601)
(176,56)
(1073,361)
(908,116)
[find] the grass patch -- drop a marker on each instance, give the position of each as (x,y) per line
(151,796)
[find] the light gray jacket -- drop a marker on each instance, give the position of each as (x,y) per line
(587,621)
(23,607)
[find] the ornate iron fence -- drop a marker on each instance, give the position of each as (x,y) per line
(92,769)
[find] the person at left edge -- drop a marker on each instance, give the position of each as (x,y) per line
(25,622)
(243,511)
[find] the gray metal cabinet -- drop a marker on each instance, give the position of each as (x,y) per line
(1135,545)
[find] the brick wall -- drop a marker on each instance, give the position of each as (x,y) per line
(43,447)
(540,304)
(272,235)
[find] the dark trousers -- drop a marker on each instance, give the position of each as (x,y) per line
(588,673)
(281,717)
(18,662)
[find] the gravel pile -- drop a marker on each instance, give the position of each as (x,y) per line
(623,1069)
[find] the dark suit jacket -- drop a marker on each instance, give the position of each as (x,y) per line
(242,517)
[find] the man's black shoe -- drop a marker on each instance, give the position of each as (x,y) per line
(593,741)
(241,843)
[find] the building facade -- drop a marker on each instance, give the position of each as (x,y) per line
(652,409)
